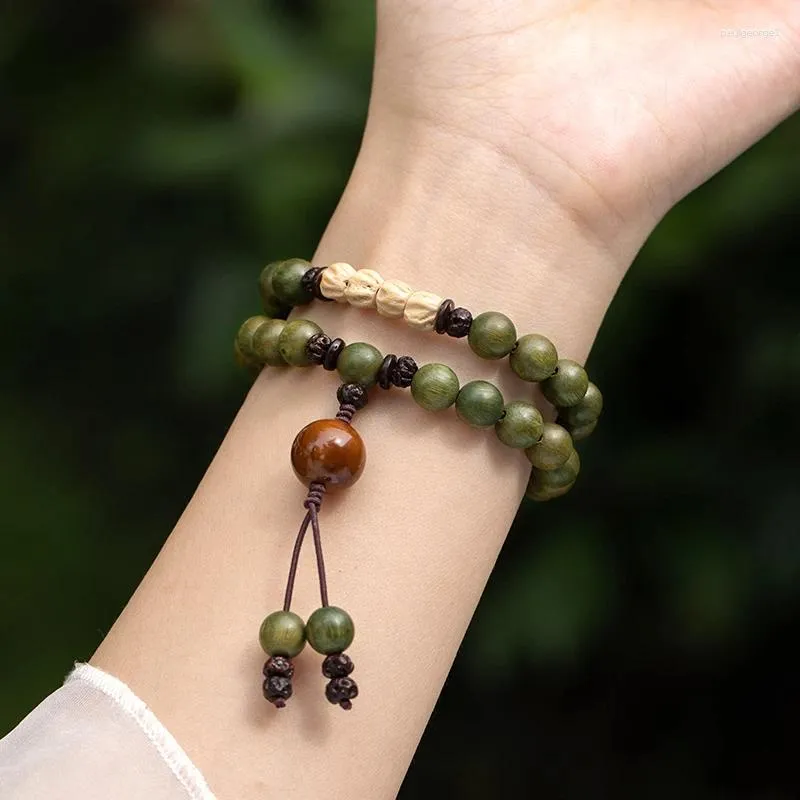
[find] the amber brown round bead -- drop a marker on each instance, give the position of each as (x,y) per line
(331,451)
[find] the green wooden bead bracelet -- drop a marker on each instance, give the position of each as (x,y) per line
(491,335)
(435,387)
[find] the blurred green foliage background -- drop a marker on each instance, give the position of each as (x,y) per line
(636,639)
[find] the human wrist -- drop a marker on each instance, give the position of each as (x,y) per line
(456,217)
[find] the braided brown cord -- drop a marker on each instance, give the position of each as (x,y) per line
(346,411)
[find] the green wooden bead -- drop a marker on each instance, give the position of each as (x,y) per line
(549,484)
(244,338)
(492,335)
(534,358)
(265,343)
(434,387)
(479,404)
(581,432)
(562,476)
(521,425)
(568,386)
(293,339)
(553,449)
(586,411)
(253,367)
(359,363)
(268,298)
(282,633)
(274,309)
(239,356)
(287,282)
(330,630)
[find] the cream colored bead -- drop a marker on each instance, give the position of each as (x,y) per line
(392,297)
(421,309)
(362,288)
(334,281)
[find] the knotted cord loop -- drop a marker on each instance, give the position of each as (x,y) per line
(312,504)
(313,501)
(316,491)
(346,411)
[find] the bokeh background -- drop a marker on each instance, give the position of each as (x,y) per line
(637,640)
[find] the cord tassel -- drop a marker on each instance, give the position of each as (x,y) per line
(329,629)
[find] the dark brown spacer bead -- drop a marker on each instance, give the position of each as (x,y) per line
(311,280)
(307,281)
(443,316)
(279,665)
(332,356)
(278,690)
(317,347)
(403,373)
(340,691)
(337,665)
(353,394)
(385,372)
(459,322)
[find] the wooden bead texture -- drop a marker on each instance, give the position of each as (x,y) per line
(362,287)
(421,310)
(391,298)
(333,282)
(331,451)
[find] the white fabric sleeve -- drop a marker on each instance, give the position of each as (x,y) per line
(94,739)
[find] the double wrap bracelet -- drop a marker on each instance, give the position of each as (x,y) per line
(329,454)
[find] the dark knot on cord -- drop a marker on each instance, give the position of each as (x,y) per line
(346,412)
(316,491)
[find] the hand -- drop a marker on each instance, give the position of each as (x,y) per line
(614,110)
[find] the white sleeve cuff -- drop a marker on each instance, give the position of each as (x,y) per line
(94,739)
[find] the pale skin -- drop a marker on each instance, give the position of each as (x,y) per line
(517,155)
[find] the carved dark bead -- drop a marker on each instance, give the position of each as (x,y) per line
(353,394)
(403,373)
(385,372)
(308,279)
(337,665)
(317,347)
(459,321)
(332,356)
(279,665)
(277,690)
(311,280)
(443,316)
(340,691)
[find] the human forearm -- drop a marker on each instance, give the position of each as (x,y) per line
(410,547)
